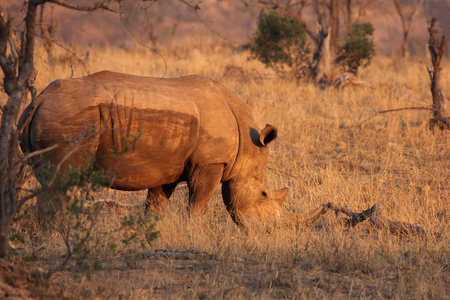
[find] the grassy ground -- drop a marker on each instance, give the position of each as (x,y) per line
(332,147)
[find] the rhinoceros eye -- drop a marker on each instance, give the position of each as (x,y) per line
(264,193)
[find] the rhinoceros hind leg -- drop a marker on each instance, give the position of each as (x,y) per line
(157,197)
(202,184)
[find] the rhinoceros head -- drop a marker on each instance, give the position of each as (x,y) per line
(246,195)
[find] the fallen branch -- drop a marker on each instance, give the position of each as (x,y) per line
(355,218)
(399,228)
(373,214)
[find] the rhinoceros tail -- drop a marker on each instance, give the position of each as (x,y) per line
(24,124)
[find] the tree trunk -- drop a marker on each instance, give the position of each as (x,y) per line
(437,50)
(349,12)
(334,24)
(9,148)
(404,49)
(16,85)
(406,23)
(320,67)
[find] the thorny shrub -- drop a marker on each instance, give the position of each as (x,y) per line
(69,207)
(280,43)
(358,48)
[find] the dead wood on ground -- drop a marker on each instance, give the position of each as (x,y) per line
(375,218)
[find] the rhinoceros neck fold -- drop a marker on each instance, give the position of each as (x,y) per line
(244,121)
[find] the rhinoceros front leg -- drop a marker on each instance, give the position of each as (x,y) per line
(202,184)
(157,197)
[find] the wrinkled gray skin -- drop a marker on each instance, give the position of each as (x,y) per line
(188,129)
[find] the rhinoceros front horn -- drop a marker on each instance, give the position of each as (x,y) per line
(295,218)
(298,219)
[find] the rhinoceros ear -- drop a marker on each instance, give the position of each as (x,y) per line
(268,134)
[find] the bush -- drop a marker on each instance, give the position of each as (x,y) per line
(279,42)
(358,49)
(68,206)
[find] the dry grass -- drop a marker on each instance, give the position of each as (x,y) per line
(331,148)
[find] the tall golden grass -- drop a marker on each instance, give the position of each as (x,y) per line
(332,147)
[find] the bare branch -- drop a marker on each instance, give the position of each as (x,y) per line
(395,110)
(194,6)
(15,48)
(43,151)
(399,10)
(154,50)
(407,22)
(50,183)
(275,4)
(66,238)
(102,5)
(403,108)
(63,263)
(8,64)
(260,4)
(58,166)
(80,60)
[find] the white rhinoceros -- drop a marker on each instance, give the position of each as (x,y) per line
(189,129)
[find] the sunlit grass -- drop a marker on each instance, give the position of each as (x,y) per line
(332,147)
